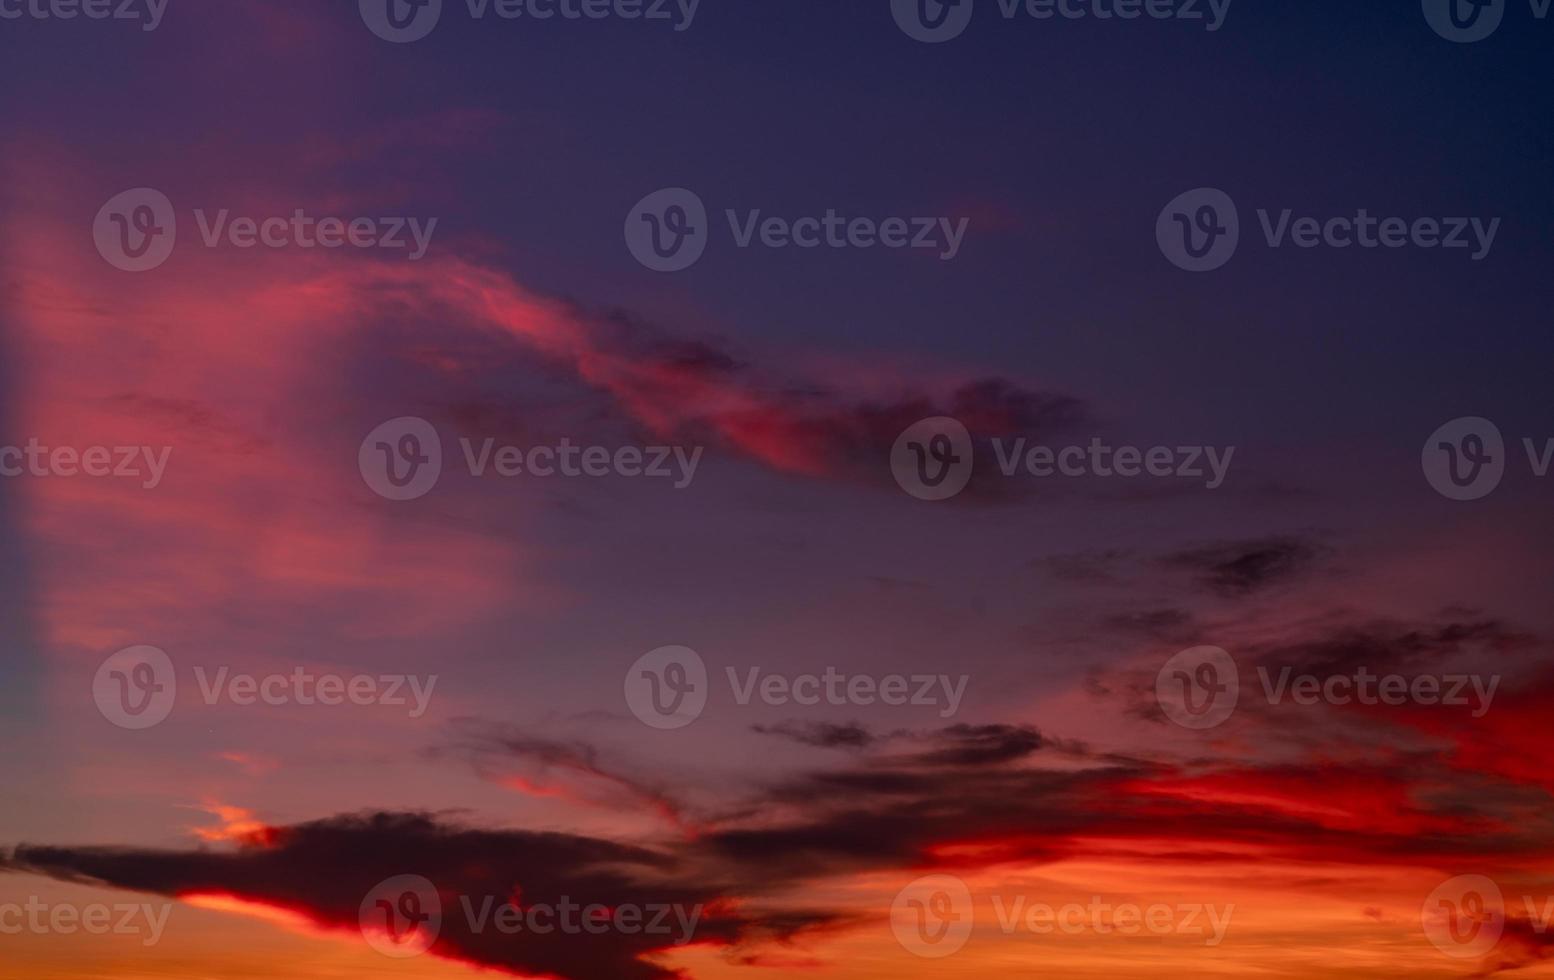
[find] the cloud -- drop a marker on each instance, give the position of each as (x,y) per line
(959,798)
(783,418)
(1392,645)
(1335,643)
(982,745)
(324,870)
(542,766)
(824,735)
(1524,942)
(1238,569)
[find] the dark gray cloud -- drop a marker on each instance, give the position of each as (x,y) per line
(1237,569)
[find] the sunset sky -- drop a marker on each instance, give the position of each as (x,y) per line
(1035,763)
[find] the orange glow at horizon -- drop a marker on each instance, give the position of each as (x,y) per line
(274,914)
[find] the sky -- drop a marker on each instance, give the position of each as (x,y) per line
(775,489)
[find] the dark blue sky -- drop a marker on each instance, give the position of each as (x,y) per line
(1066,137)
